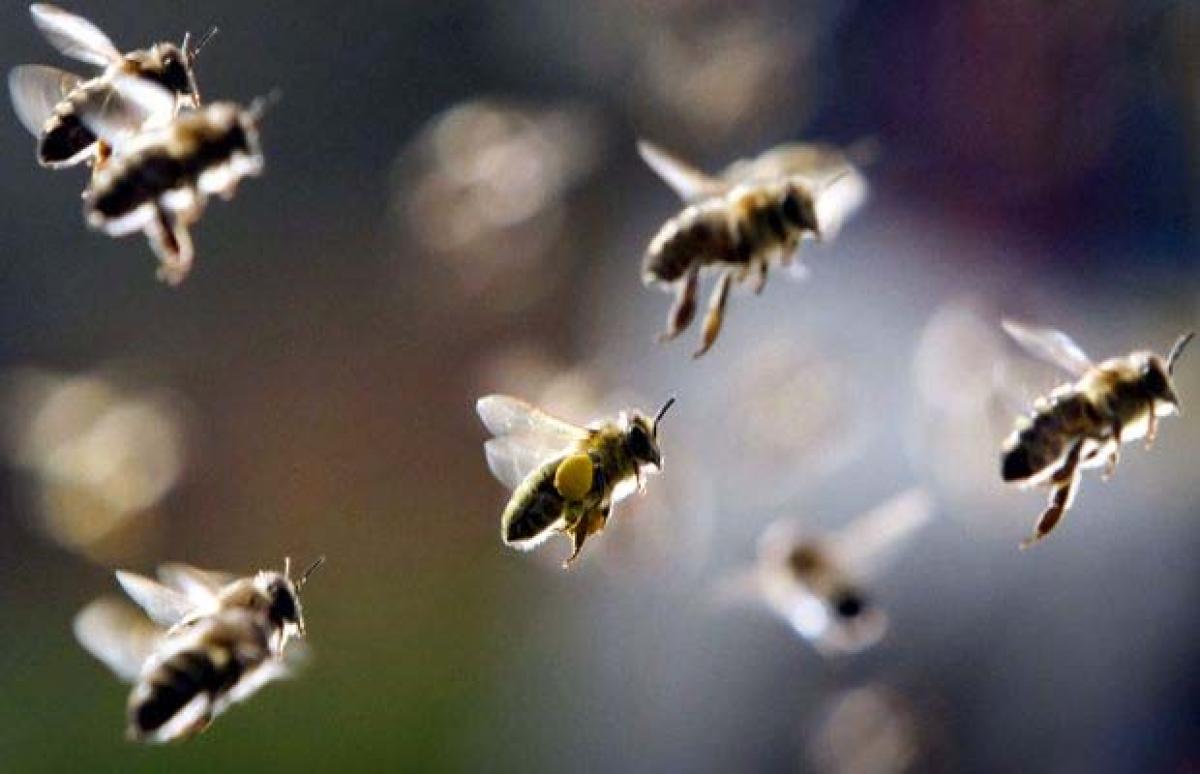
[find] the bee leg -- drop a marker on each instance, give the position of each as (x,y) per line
(1114,455)
(683,311)
(1064,483)
(716,312)
(1151,428)
(171,241)
(760,277)
(598,519)
(578,530)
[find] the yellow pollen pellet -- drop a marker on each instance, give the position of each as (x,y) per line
(573,479)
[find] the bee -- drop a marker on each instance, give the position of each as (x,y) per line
(565,478)
(1083,424)
(49,101)
(211,640)
(817,583)
(739,224)
(159,180)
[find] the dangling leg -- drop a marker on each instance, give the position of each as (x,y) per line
(1064,483)
(172,243)
(760,276)
(585,525)
(1114,454)
(716,312)
(1151,427)
(683,311)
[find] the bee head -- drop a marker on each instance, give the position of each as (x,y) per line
(283,597)
(169,67)
(799,207)
(848,604)
(1157,372)
(641,437)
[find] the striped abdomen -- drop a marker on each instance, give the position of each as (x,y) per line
(534,507)
(1045,437)
(65,141)
(204,664)
(732,230)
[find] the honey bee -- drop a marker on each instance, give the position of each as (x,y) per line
(49,101)
(211,640)
(1083,424)
(739,224)
(159,180)
(564,478)
(817,583)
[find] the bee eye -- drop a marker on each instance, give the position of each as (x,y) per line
(848,604)
(283,604)
(639,444)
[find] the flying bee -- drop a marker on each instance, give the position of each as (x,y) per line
(1083,424)
(817,582)
(739,224)
(158,181)
(49,101)
(211,640)
(565,478)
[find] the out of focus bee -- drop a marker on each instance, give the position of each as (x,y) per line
(49,101)
(737,225)
(565,478)
(817,583)
(1083,424)
(159,180)
(211,640)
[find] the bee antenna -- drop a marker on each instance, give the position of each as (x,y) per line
(662,411)
(193,51)
(287,567)
(1177,350)
(309,571)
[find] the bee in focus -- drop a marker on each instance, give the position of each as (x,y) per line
(565,478)
(159,180)
(1083,424)
(818,583)
(737,225)
(211,640)
(49,101)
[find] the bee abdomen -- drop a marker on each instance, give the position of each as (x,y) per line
(1041,443)
(173,686)
(534,508)
(64,140)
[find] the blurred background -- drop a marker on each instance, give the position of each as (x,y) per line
(453,206)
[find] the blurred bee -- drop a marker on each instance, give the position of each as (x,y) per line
(816,582)
(755,214)
(49,101)
(564,478)
(159,180)
(211,640)
(1083,424)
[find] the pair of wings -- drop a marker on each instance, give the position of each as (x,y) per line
(112,114)
(1051,346)
(839,188)
(123,638)
(525,437)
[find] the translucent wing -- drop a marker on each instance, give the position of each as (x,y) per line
(503,415)
(512,458)
(870,541)
(1054,347)
(838,198)
(74,36)
(118,114)
(117,635)
(809,160)
(35,91)
(165,606)
(199,586)
(687,181)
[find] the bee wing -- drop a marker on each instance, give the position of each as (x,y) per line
(36,90)
(199,586)
(164,605)
(868,543)
(839,196)
(118,114)
(512,458)
(504,415)
(117,635)
(684,179)
(74,36)
(1050,345)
